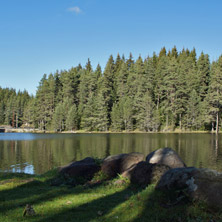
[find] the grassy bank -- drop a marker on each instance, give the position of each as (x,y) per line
(106,201)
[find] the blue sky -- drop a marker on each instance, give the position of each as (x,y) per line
(41,36)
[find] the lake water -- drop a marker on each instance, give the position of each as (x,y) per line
(38,153)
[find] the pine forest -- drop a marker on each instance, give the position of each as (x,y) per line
(166,92)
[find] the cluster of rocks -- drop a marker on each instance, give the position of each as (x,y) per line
(163,167)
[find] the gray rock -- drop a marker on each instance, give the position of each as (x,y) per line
(130,160)
(118,164)
(84,168)
(111,165)
(199,184)
(145,173)
(177,179)
(165,156)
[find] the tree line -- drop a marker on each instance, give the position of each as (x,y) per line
(165,92)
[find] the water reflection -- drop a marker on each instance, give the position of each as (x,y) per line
(38,153)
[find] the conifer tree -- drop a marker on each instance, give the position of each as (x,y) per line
(108,86)
(127,107)
(41,103)
(149,71)
(155,60)
(203,75)
(181,98)
(88,115)
(122,88)
(50,98)
(130,61)
(72,118)
(88,66)
(100,113)
(161,71)
(193,55)
(193,111)
(162,52)
(10,111)
(118,64)
(45,101)
(190,72)
(98,72)
(94,78)
(117,117)
(75,73)
(215,93)
(58,88)
(174,52)
(145,117)
(58,118)
(136,77)
(170,80)
(29,113)
(60,114)
(67,84)
(84,90)
(2,111)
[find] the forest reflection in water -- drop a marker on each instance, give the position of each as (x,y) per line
(38,153)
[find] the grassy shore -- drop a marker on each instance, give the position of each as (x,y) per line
(95,201)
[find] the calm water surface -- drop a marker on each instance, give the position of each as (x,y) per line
(38,153)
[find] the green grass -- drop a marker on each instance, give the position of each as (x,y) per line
(104,201)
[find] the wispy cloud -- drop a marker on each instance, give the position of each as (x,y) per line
(75,9)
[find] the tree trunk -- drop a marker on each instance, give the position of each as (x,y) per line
(180,121)
(212,129)
(125,122)
(16,120)
(217,126)
(167,119)
(13,119)
(158,101)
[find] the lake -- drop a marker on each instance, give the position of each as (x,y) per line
(38,153)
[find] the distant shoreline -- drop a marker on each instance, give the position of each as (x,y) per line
(21,130)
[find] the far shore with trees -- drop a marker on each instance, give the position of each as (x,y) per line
(171,91)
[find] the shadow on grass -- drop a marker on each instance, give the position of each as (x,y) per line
(90,211)
(164,207)
(33,192)
(37,192)
(157,209)
(29,190)
(147,204)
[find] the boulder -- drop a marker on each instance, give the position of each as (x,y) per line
(165,156)
(145,173)
(117,164)
(84,168)
(199,184)
(128,173)
(130,160)
(177,179)
(111,165)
